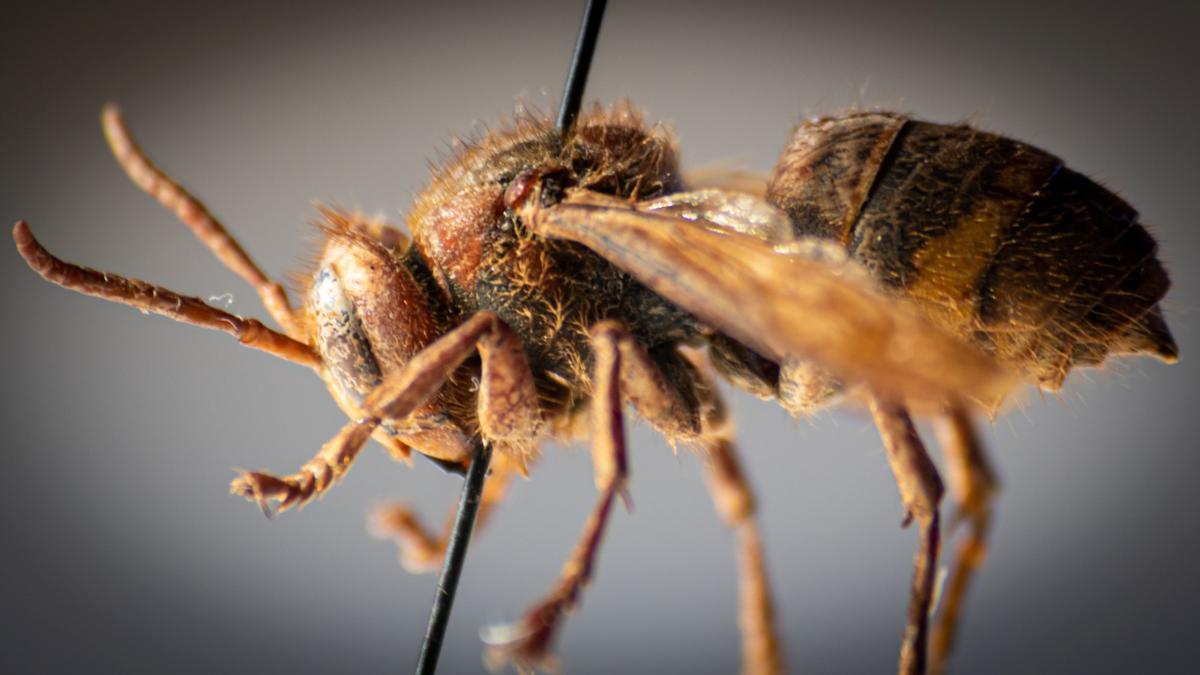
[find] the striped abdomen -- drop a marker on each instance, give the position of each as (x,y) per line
(993,238)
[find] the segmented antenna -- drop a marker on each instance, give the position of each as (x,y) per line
(468,503)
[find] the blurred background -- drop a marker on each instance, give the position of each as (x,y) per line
(122,551)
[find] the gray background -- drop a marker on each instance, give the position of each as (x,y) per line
(121,551)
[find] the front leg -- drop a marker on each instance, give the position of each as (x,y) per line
(508,409)
(419,549)
(921,492)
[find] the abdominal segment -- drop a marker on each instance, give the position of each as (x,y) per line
(994,239)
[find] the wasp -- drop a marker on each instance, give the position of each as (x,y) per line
(547,282)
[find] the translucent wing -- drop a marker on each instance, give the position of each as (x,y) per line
(726,261)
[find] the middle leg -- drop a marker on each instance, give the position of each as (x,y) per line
(736,505)
(622,370)
(756,614)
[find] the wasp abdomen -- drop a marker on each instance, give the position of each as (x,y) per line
(993,238)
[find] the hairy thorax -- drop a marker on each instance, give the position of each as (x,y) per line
(549,292)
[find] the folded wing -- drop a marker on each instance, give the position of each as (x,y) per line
(784,299)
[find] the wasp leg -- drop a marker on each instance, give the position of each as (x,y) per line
(974,486)
(622,371)
(735,503)
(421,551)
(921,492)
(196,216)
(507,405)
(158,300)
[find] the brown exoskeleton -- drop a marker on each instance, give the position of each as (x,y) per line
(922,267)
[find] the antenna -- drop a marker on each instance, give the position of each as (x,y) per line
(468,503)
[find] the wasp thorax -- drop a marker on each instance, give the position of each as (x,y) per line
(458,219)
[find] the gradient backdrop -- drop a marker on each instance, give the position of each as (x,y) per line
(122,552)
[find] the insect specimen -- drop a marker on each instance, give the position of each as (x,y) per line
(917,266)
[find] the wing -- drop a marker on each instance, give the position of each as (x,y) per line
(784,299)
(727,176)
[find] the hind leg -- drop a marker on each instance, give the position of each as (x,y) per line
(921,493)
(973,486)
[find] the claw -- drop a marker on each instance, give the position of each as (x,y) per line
(526,643)
(262,488)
